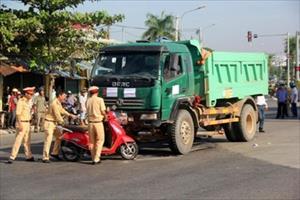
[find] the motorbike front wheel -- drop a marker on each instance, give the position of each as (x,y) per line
(129,151)
(70,153)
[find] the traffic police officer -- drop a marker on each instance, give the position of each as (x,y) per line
(52,118)
(95,114)
(23,126)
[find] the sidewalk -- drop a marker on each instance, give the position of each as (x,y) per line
(7,138)
(7,131)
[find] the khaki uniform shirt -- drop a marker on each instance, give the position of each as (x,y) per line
(40,103)
(56,111)
(23,110)
(94,107)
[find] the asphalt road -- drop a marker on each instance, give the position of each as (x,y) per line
(266,168)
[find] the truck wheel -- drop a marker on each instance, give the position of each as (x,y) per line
(129,151)
(70,152)
(230,135)
(245,129)
(182,133)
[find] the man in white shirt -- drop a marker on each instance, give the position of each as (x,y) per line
(82,103)
(262,106)
(294,99)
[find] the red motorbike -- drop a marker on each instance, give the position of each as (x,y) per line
(75,140)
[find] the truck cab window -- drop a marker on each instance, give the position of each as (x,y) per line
(172,66)
(166,72)
(139,64)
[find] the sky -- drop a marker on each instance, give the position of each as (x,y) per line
(231,19)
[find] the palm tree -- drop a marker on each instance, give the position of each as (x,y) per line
(159,26)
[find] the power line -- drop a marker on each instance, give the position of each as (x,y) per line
(130,27)
(134,35)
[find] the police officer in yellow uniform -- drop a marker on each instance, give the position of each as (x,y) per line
(23,126)
(95,114)
(52,119)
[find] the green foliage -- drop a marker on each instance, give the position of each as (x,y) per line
(159,26)
(273,70)
(292,52)
(8,26)
(45,34)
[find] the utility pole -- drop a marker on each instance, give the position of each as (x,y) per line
(108,32)
(180,18)
(288,79)
(288,58)
(122,34)
(176,28)
(297,69)
(200,35)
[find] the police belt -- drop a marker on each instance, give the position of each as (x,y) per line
(95,121)
(25,121)
(50,120)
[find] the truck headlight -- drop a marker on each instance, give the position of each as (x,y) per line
(152,116)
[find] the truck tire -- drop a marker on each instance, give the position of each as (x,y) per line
(245,129)
(229,132)
(182,133)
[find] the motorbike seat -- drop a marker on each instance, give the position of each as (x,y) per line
(76,128)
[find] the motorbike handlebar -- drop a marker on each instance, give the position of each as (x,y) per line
(61,129)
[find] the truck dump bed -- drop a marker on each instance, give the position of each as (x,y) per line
(226,75)
(234,75)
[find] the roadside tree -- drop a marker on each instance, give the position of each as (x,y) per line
(46,35)
(159,26)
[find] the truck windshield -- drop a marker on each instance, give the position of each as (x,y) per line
(129,64)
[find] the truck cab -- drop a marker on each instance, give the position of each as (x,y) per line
(144,81)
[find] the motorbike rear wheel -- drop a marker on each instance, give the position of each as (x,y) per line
(129,151)
(70,152)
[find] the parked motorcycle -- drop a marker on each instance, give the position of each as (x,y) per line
(75,140)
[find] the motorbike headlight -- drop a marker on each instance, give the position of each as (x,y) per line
(152,116)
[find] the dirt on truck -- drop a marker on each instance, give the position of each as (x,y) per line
(167,90)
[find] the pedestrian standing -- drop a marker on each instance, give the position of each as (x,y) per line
(262,106)
(281,95)
(23,126)
(82,104)
(53,95)
(70,105)
(96,114)
(294,99)
(12,104)
(40,110)
(70,100)
(52,118)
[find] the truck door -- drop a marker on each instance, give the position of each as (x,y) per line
(174,83)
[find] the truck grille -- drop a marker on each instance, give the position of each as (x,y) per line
(124,103)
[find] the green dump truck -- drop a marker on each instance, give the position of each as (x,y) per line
(168,90)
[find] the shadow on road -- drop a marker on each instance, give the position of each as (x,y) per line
(157,150)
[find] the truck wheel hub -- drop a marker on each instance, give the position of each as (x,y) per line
(185,132)
(249,124)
